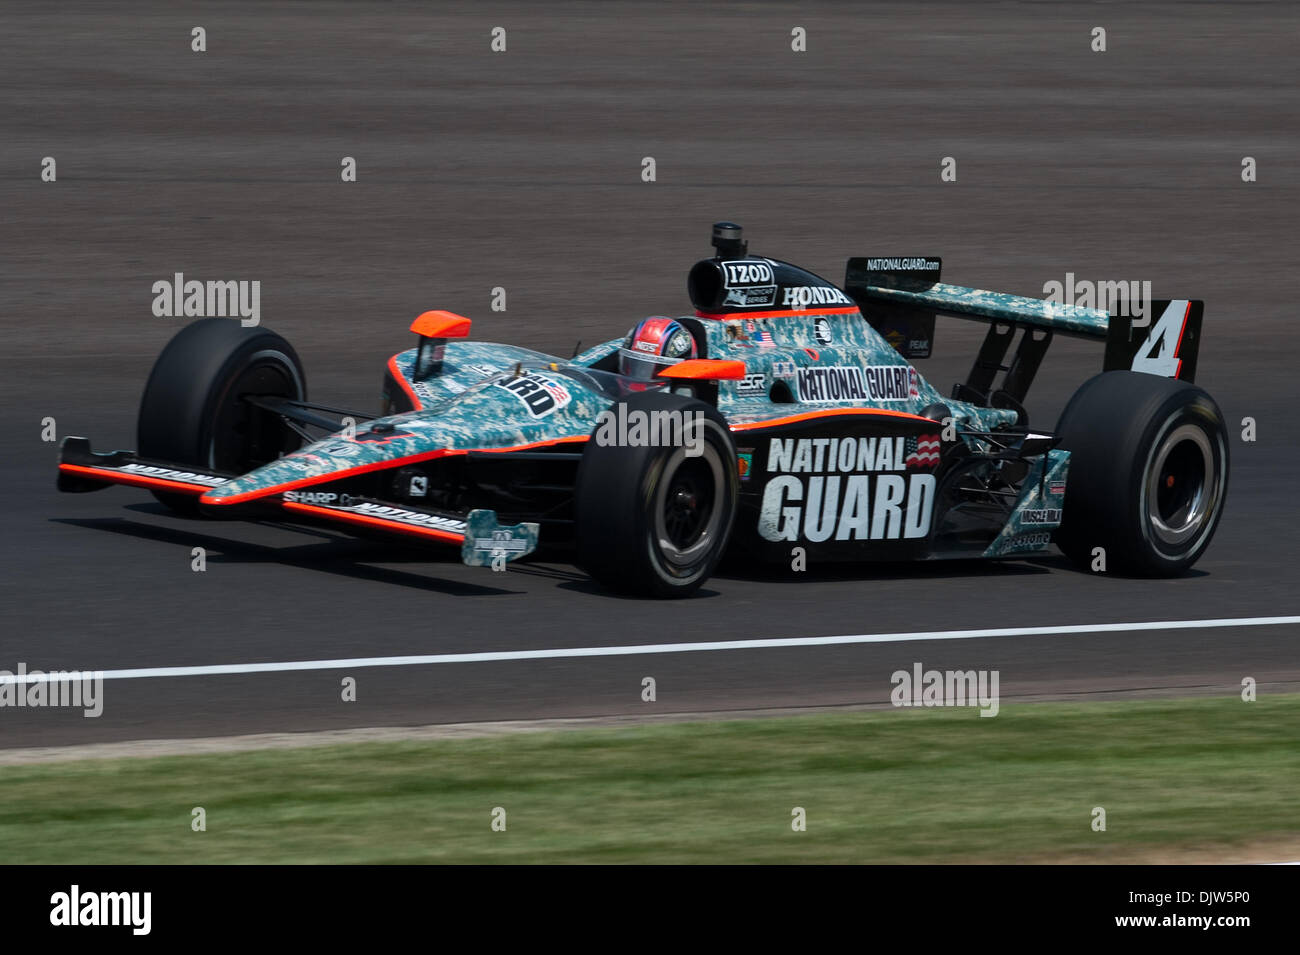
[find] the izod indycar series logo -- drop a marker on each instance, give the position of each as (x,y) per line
(844,489)
(539,394)
(850,383)
(748,283)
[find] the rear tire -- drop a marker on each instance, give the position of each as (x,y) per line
(192,410)
(1148,473)
(652,520)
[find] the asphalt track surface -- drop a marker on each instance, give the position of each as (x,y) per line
(522,170)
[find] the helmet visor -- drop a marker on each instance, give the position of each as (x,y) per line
(641,365)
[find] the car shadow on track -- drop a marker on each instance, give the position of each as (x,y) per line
(582,584)
(1054,562)
(334,555)
(740,569)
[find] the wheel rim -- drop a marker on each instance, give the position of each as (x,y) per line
(243,436)
(1182,486)
(687,506)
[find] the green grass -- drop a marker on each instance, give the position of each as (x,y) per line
(894,786)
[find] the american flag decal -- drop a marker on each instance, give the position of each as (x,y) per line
(922,452)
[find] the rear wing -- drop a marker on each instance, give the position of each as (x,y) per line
(918,294)
(900,296)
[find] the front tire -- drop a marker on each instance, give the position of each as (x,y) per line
(654,520)
(192,411)
(1148,473)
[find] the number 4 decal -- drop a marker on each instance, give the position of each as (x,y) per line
(1168,335)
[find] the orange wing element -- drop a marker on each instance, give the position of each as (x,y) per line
(439,324)
(705,369)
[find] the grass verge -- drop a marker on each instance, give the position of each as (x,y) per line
(933,785)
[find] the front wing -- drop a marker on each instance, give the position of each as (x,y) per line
(482,539)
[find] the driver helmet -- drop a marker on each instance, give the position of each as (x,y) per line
(654,344)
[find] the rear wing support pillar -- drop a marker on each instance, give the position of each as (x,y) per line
(979,386)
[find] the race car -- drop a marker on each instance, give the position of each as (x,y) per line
(782,420)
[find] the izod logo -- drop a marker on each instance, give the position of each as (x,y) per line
(742,274)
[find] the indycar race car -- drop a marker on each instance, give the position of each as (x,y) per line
(782,419)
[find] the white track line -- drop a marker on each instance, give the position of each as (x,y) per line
(497,656)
